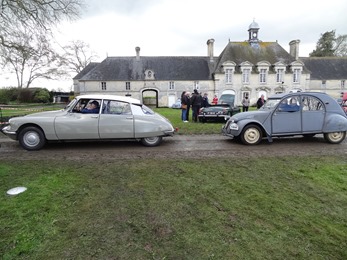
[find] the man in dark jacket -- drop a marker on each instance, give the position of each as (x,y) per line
(196,101)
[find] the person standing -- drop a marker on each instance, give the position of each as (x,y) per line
(188,104)
(261,101)
(184,106)
(205,102)
(196,101)
(245,104)
(215,100)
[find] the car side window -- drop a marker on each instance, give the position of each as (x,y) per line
(311,104)
(90,106)
(116,108)
(290,104)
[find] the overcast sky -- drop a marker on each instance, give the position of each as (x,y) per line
(182,27)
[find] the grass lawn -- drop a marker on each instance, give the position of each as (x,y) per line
(214,208)
(220,208)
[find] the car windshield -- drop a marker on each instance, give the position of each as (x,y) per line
(271,103)
(227,99)
(71,104)
(146,110)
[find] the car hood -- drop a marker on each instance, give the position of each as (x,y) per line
(48,113)
(259,115)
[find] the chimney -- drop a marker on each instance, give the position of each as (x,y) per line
(294,48)
(137,49)
(210,49)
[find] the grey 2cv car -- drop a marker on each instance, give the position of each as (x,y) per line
(301,113)
(91,117)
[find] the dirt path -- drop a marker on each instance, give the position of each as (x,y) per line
(179,146)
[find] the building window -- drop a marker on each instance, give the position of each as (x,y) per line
(228,75)
(196,85)
(103,85)
(280,76)
(262,76)
(296,76)
(342,84)
(245,76)
(171,85)
(127,85)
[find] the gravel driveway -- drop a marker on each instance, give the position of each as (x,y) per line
(179,146)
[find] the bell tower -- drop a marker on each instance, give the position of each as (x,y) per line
(253,32)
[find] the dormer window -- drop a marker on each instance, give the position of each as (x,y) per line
(149,74)
(229,69)
(246,69)
(228,76)
(296,75)
(263,69)
(262,75)
(296,68)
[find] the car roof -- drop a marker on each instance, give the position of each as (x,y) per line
(321,95)
(114,97)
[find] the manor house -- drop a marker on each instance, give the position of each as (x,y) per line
(249,68)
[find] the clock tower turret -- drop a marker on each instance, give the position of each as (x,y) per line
(253,32)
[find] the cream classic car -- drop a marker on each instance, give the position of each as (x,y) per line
(91,117)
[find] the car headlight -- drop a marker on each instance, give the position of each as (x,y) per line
(233,126)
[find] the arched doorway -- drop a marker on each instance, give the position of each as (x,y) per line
(150,97)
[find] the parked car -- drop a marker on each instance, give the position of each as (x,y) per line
(177,104)
(115,117)
(301,113)
(222,111)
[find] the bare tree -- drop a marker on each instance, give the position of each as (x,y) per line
(77,56)
(31,59)
(25,35)
(34,15)
(341,46)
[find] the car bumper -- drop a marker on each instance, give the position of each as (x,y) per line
(11,134)
(169,133)
(226,117)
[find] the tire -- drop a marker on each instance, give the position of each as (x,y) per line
(151,141)
(251,135)
(31,138)
(335,137)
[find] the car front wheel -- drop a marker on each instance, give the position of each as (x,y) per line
(251,135)
(335,138)
(31,138)
(151,141)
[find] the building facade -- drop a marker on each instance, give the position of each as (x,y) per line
(249,68)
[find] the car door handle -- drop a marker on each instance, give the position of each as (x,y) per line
(95,116)
(130,117)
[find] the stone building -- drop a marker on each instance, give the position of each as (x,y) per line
(249,68)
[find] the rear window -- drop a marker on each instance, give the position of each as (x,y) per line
(227,99)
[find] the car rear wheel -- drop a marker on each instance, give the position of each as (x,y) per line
(335,138)
(31,138)
(251,135)
(151,141)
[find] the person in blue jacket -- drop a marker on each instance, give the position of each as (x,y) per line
(93,108)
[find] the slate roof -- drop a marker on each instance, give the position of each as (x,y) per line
(164,68)
(88,68)
(239,52)
(326,68)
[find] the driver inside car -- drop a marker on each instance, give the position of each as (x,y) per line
(91,108)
